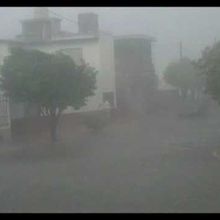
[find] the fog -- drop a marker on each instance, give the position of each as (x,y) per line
(87,122)
(196,27)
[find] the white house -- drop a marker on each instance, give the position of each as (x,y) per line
(100,50)
(97,51)
(96,48)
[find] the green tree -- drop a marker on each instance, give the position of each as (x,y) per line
(209,64)
(184,75)
(50,81)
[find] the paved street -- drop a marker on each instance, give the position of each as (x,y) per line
(160,164)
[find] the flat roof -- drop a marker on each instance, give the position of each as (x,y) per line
(75,37)
(61,40)
(135,36)
(31,20)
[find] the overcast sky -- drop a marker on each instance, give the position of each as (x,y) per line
(196,27)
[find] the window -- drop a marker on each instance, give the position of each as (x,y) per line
(109,97)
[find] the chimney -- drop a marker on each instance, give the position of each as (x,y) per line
(88,23)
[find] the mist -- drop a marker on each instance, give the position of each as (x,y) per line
(109,110)
(169,26)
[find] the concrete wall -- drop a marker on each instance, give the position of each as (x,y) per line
(135,75)
(36,129)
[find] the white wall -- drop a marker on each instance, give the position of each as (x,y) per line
(107,68)
(98,54)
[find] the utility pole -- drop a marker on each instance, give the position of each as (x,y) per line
(215,40)
(181,50)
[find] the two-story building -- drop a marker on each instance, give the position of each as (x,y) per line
(124,63)
(43,32)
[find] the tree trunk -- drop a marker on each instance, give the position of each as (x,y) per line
(53,128)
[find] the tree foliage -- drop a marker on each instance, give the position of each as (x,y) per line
(52,81)
(183,74)
(210,67)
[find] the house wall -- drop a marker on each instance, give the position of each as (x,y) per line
(135,76)
(98,54)
(107,65)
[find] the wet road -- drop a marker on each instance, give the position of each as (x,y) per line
(156,165)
